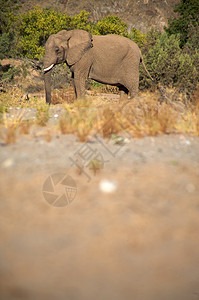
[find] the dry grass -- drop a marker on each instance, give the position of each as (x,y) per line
(42,115)
(24,127)
(80,119)
(104,88)
(16,97)
(63,96)
(8,135)
(8,130)
(150,114)
(149,118)
(143,116)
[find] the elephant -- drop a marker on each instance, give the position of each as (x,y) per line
(109,59)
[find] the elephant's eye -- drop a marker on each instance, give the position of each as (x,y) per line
(57,49)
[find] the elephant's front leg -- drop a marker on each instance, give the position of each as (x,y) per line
(73,83)
(79,84)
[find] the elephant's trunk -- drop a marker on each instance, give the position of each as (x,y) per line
(47,81)
(49,63)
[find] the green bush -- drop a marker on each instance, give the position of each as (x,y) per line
(188,15)
(110,25)
(167,63)
(8,73)
(187,75)
(136,36)
(192,45)
(34,28)
(81,21)
(7,10)
(5,45)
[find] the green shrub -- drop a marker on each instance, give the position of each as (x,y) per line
(81,21)
(7,10)
(136,36)
(110,25)
(5,45)
(188,12)
(187,73)
(167,63)
(8,73)
(33,29)
(192,45)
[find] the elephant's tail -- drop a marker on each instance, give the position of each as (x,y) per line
(142,61)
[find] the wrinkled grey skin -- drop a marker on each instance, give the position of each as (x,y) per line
(110,59)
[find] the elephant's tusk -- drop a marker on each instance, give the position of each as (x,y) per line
(49,68)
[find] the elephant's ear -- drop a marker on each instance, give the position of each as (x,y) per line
(78,43)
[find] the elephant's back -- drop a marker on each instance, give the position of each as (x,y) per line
(119,42)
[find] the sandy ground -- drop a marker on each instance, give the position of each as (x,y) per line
(129,232)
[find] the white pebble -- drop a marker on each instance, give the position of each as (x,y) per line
(108,186)
(8,163)
(127,141)
(56,115)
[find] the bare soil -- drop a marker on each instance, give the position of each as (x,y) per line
(135,236)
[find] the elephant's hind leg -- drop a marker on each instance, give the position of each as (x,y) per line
(133,89)
(123,92)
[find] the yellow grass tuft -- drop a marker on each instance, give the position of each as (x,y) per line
(24,127)
(63,96)
(8,132)
(42,115)
(8,135)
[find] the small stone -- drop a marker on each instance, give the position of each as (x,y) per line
(127,141)
(108,186)
(7,163)
(56,116)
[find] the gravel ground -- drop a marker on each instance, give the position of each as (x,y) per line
(131,231)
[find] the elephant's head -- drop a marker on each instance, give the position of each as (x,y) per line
(65,46)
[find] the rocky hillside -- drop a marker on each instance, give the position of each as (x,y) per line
(142,14)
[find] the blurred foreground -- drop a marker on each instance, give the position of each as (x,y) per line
(138,240)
